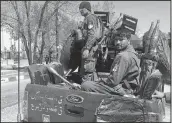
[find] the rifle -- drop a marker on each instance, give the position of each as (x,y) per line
(96,47)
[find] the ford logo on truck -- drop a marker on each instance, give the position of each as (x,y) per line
(74,98)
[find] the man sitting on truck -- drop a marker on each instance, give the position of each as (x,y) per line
(124,73)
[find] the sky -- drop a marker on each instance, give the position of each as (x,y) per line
(145,12)
(6,41)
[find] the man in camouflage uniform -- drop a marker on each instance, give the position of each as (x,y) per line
(124,73)
(92,28)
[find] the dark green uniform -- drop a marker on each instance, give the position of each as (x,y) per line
(124,68)
(92,29)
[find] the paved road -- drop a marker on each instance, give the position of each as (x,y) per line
(9,92)
(9,98)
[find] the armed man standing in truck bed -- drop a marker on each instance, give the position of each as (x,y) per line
(124,73)
(92,33)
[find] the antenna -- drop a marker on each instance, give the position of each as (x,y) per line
(18,115)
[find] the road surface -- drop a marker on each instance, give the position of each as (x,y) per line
(9,98)
(9,92)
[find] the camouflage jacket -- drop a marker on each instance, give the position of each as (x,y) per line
(92,30)
(125,67)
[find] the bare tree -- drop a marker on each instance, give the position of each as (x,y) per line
(29,20)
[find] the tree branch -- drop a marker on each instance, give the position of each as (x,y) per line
(23,37)
(19,19)
(56,9)
(8,24)
(20,26)
(22,30)
(16,11)
(9,17)
(39,25)
(28,29)
(42,47)
(41,17)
